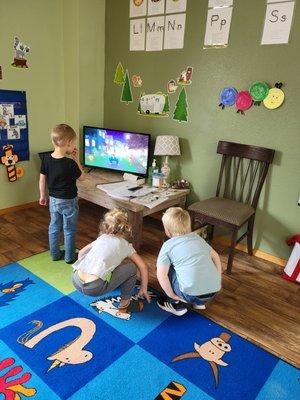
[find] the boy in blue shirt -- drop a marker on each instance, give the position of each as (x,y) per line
(188,269)
(59,174)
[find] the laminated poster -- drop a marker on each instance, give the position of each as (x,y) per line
(278,22)
(156,7)
(155,33)
(137,8)
(137,34)
(219,3)
(174,31)
(175,6)
(218,27)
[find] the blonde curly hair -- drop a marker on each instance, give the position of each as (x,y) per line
(116,222)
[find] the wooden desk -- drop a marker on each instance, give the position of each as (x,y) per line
(88,190)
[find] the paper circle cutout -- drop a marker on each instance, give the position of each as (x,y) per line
(259,90)
(243,101)
(274,99)
(228,96)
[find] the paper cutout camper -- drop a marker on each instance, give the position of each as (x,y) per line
(156,105)
(9,160)
(21,50)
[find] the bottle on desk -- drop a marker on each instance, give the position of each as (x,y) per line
(153,169)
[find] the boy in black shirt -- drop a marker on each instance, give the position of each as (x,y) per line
(60,173)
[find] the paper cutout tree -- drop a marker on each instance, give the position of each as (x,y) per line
(119,74)
(167,104)
(139,106)
(181,113)
(126,91)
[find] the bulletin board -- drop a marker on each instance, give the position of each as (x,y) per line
(14,122)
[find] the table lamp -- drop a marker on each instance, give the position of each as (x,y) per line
(166,145)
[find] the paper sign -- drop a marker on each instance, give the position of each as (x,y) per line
(137,8)
(156,7)
(137,34)
(174,31)
(175,6)
(219,3)
(218,26)
(13,132)
(4,121)
(20,120)
(278,22)
(155,33)
(277,1)
(7,109)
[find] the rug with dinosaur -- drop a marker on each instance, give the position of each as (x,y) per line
(56,344)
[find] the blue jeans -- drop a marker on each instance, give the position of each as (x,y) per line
(199,300)
(64,214)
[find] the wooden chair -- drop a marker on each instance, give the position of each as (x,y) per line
(242,175)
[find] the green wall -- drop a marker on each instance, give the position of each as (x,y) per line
(241,63)
(65,37)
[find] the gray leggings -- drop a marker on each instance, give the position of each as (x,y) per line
(124,276)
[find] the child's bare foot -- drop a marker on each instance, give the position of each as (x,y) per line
(129,306)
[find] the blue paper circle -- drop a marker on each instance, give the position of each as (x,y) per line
(228,96)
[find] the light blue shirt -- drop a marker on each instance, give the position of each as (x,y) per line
(190,257)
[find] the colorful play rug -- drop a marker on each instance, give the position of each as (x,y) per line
(57,344)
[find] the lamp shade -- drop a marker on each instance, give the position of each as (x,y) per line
(167,145)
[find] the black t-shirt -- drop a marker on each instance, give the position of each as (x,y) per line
(61,174)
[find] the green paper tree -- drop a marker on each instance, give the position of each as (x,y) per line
(126,91)
(167,104)
(119,75)
(181,113)
(139,106)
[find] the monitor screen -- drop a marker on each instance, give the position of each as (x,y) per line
(116,150)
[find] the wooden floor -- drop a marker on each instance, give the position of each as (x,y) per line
(255,301)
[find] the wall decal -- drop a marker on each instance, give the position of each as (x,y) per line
(21,50)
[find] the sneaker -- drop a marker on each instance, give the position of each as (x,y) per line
(174,307)
(61,257)
(72,261)
(199,306)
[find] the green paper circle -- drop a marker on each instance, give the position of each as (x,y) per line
(259,90)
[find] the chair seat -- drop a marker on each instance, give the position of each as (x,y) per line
(226,210)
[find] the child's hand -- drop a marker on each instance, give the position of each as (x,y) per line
(143,293)
(43,201)
(75,154)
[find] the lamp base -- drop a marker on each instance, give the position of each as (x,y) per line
(165,169)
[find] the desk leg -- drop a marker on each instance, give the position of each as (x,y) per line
(136,219)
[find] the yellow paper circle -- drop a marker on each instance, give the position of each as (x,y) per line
(274,99)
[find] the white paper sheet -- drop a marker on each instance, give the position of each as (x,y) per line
(218,26)
(137,8)
(137,34)
(155,33)
(20,120)
(278,22)
(175,6)
(156,7)
(277,1)
(174,31)
(219,3)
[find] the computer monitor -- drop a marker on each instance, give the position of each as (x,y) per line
(116,150)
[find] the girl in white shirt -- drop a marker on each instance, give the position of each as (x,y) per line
(100,268)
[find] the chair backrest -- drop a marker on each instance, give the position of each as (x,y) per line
(243,171)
